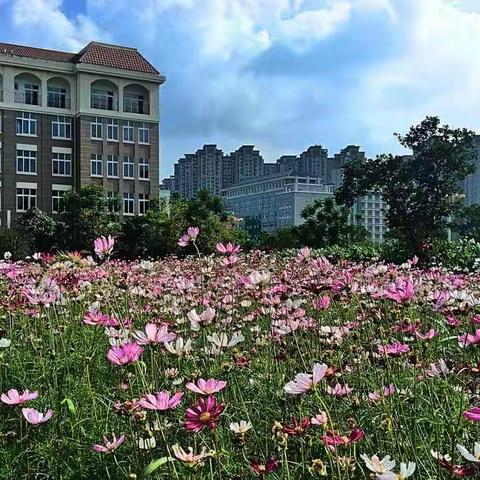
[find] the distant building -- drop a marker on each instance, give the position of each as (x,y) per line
(270,168)
(274,201)
(471,184)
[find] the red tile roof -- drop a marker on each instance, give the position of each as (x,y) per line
(94,53)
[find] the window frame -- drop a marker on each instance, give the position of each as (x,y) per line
(112,160)
(66,123)
(65,160)
(32,157)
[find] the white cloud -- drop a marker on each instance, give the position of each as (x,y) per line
(43,21)
(438,73)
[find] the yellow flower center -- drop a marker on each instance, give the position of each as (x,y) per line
(205,416)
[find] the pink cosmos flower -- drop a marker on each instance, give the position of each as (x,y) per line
(161,401)
(402,291)
(13,397)
(190,236)
(476,319)
(95,317)
(228,249)
(394,349)
(204,414)
(339,390)
(322,303)
(452,321)
(387,392)
(104,246)
(432,333)
(109,446)
(206,387)
(35,417)
(319,419)
(154,334)
(125,354)
(304,382)
(205,317)
(473,414)
(468,339)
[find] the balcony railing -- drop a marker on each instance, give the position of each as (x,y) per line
(1,95)
(27,97)
(58,101)
(103,102)
(136,106)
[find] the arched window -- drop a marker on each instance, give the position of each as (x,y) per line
(58,93)
(104,95)
(136,99)
(27,89)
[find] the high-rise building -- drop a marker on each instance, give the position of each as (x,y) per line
(314,162)
(71,119)
(246,162)
(471,184)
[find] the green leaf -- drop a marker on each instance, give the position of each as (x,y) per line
(70,406)
(152,466)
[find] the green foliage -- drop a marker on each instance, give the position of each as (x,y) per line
(327,224)
(283,239)
(85,217)
(420,189)
(39,228)
(460,256)
(14,242)
(466,223)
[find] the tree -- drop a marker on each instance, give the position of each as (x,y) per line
(85,217)
(327,223)
(39,229)
(420,189)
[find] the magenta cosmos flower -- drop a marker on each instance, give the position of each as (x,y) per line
(35,417)
(473,414)
(206,387)
(104,246)
(261,469)
(13,397)
(160,401)
(109,446)
(125,354)
(204,414)
(154,334)
(333,439)
(228,249)
(304,382)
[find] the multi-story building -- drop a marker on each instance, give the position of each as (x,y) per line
(71,119)
(274,201)
(471,184)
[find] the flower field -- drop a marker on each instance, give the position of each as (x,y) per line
(237,366)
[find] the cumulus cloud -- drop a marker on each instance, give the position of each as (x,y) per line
(44,21)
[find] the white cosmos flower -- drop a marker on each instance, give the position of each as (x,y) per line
(5,342)
(406,470)
(179,347)
(467,455)
(240,427)
(375,465)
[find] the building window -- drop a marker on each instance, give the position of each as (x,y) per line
(96,128)
(112,129)
(57,97)
(62,128)
(62,164)
(112,166)
(57,200)
(27,162)
(26,199)
(96,165)
(128,203)
(143,169)
(112,202)
(128,167)
(102,99)
(143,199)
(26,124)
(144,134)
(128,132)
(29,94)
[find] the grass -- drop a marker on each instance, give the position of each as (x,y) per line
(54,352)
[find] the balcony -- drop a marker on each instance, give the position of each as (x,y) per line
(56,100)
(103,102)
(135,105)
(27,97)
(1,95)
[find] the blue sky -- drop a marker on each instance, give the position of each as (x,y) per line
(281,74)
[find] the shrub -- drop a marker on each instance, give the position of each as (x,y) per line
(14,242)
